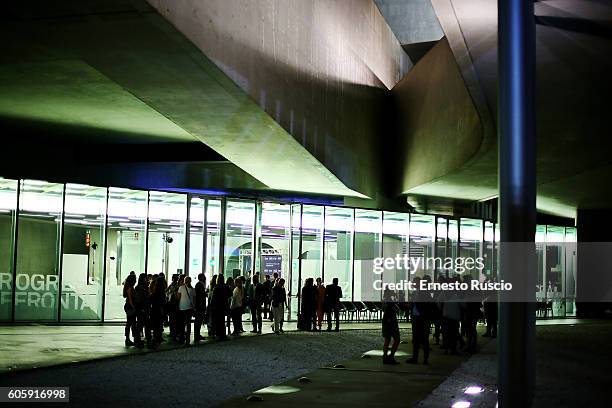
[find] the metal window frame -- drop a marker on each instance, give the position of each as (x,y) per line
(14,248)
(105,258)
(60,255)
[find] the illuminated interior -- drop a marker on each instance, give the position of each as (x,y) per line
(69,247)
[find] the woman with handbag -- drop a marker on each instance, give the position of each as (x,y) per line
(130,309)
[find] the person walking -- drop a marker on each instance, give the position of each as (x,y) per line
(200,307)
(279,302)
(130,309)
(333,294)
(320,303)
(390,328)
(236,307)
(187,302)
(256,298)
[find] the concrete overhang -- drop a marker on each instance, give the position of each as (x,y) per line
(120,66)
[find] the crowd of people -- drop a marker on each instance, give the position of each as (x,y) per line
(452,317)
(152,304)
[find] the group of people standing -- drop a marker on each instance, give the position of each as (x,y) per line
(151,304)
(318,300)
(454,320)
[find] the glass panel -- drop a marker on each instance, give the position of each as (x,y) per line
(38,247)
(338,248)
(125,245)
(422,232)
(555,268)
(296,218)
(570,271)
(8,207)
(275,224)
(395,243)
(470,239)
(368,238)
(540,239)
(312,238)
(274,255)
(240,219)
(489,255)
(83,252)
(441,245)
(453,242)
(196,237)
(213,238)
(166,246)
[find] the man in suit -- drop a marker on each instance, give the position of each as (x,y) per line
(333,294)
(200,306)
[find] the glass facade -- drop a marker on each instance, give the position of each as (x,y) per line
(556,284)
(125,245)
(338,248)
(167,217)
(8,222)
(471,244)
(66,249)
(83,252)
(395,243)
(239,234)
(368,245)
(39,239)
(422,235)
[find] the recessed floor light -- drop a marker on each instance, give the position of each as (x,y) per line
(473,390)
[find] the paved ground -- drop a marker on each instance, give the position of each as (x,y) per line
(35,346)
(572,369)
(362,382)
(269,365)
(198,376)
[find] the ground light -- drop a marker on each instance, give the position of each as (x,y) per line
(278,389)
(461,404)
(473,390)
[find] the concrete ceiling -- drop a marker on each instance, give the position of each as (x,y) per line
(118,66)
(574,61)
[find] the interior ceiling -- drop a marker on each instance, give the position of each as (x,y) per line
(116,72)
(574,62)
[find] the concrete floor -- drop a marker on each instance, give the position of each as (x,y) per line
(202,376)
(363,381)
(34,346)
(573,364)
